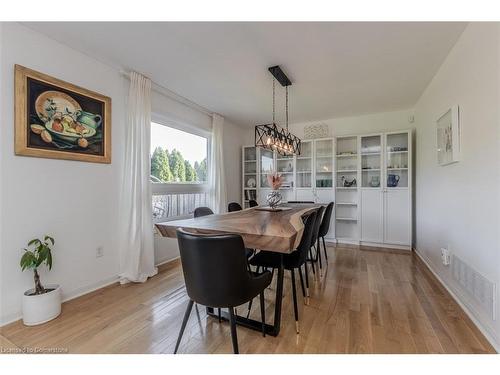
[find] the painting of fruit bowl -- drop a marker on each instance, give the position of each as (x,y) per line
(56,119)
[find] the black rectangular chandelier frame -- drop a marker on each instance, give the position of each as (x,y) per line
(273,137)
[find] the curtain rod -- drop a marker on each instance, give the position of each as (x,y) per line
(172,95)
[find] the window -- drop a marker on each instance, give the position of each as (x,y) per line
(179,171)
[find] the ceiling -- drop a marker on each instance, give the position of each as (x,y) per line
(337,69)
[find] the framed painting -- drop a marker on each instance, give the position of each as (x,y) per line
(59,120)
(448,137)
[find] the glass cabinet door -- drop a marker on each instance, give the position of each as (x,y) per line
(266,166)
(304,165)
(324,163)
(397,160)
(371,161)
(285,167)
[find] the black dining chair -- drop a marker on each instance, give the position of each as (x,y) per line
(252,203)
(233,206)
(291,262)
(316,257)
(202,211)
(216,275)
(325,227)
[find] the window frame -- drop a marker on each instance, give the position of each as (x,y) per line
(158,188)
(191,187)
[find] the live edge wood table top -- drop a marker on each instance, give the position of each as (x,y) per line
(278,231)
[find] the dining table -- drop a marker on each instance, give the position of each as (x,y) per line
(261,228)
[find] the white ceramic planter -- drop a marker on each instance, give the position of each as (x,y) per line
(41,308)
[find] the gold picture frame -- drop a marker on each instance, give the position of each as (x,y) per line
(58,120)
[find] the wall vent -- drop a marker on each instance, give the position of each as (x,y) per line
(482,290)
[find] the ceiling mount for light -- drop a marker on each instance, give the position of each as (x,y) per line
(272,136)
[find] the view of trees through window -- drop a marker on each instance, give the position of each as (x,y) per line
(177,156)
(172,167)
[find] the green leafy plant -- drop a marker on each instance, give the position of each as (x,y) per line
(33,258)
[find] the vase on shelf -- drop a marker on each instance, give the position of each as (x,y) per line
(274,198)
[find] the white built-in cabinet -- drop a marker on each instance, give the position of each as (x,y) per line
(386,207)
(307,177)
(367,176)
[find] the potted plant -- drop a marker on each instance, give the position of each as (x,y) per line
(42,303)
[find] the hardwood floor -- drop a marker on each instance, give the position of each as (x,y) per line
(366,302)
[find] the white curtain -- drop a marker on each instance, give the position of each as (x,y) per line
(136,234)
(217,175)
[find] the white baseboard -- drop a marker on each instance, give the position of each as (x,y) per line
(67,297)
(166,260)
(469,310)
(385,245)
(79,292)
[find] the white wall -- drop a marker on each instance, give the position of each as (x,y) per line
(365,124)
(76,202)
(458,205)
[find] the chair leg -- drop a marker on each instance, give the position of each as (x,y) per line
(234,337)
(307,283)
(295,308)
(184,322)
(318,255)
(312,260)
(324,248)
(219,314)
(249,307)
(263,313)
(302,283)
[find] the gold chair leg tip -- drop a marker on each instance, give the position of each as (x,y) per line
(297,327)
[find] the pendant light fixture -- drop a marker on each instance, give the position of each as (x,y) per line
(272,136)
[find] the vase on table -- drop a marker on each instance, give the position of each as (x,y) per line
(274,198)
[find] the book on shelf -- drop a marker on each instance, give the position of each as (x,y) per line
(250,194)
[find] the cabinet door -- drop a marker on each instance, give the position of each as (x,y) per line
(324,196)
(372,215)
(266,166)
(304,166)
(397,217)
(305,195)
(323,161)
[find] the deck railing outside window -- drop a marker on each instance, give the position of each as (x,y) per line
(177,205)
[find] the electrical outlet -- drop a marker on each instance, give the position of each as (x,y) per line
(445,256)
(99,252)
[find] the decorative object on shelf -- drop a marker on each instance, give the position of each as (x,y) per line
(370,149)
(274,197)
(448,137)
(40,304)
(398,149)
(375,181)
(272,137)
(392,180)
(347,183)
(58,120)
(251,183)
(316,131)
(324,183)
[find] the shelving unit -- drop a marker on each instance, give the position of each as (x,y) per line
(347,169)
(375,210)
(250,175)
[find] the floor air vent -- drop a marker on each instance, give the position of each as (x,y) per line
(482,290)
